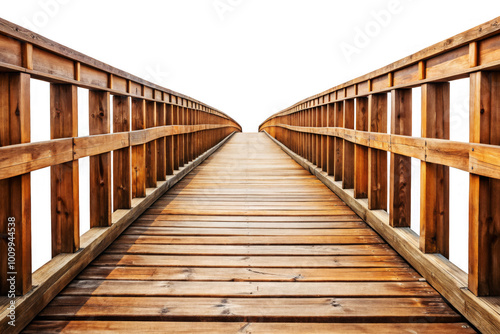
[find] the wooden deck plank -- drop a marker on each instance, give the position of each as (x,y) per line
(250,274)
(81,327)
(249,243)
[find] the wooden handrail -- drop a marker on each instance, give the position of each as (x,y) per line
(158,136)
(343,132)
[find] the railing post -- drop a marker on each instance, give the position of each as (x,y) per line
(434,179)
(324,139)
(339,142)
(122,172)
(169,142)
(400,173)
(64,177)
(15,201)
(176,138)
(348,156)
(151,154)
(330,143)
(138,151)
(161,159)
(377,159)
(360,151)
(100,165)
(484,192)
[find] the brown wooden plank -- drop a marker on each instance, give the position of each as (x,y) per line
(79,327)
(484,193)
(138,151)
(151,152)
(100,165)
(377,159)
(348,162)
(251,261)
(146,230)
(247,289)
(64,177)
(400,173)
(434,179)
(254,274)
(122,173)
(339,142)
(15,202)
(373,249)
(161,148)
(251,309)
(361,152)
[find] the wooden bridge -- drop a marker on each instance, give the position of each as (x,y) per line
(198,228)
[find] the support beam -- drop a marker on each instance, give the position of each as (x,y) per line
(122,173)
(360,151)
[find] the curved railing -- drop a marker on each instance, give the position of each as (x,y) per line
(343,131)
(158,135)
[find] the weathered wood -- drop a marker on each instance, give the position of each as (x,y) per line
(377,159)
(138,151)
(400,173)
(361,152)
(348,161)
(122,173)
(434,179)
(484,193)
(100,165)
(161,159)
(15,201)
(64,177)
(339,142)
(151,152)
(330,142)
(169,142)
(78,326)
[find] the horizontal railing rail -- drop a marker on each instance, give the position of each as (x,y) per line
(342,136)
(157,136)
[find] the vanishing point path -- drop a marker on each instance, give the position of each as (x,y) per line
(249,242)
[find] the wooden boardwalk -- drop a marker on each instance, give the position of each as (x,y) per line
(249,242)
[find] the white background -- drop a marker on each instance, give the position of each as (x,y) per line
(249,59)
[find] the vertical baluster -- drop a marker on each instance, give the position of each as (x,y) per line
(330,143)
(169,142)
(484,192)
(339,142)
(64,177)
(400,173)
(15,129)
(434,179)
(348,161)
(138,151)
(100,165)
(151,164)
(161,159)
(360,151)
(122,172)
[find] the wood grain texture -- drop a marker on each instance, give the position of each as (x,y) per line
(434,178)
(484,192)
(15,201)
(400,166)
(100,165)
(122,172)
(64,177)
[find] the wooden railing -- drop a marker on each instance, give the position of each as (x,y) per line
(156,132)
(343,131)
